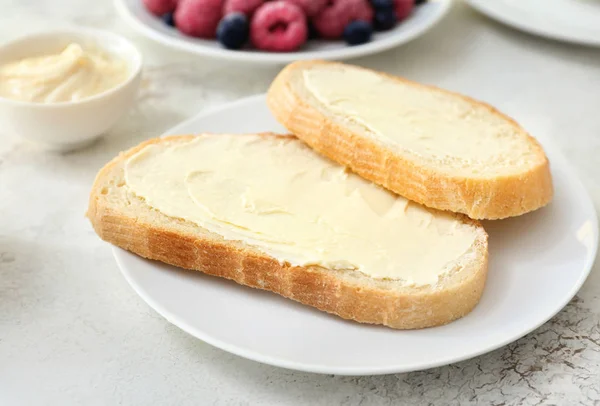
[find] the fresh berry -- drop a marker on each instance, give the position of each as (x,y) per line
(312,31)
(382,4)
(278,26)
(198,18)
(248,7)
(419,2)
(310,7)
(168,19)
(233,31)
(358,32)
(160,7)
(330,22)
(384,19)
(403,8)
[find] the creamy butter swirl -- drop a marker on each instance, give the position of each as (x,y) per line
(431,124)
(279,196)
(71,75)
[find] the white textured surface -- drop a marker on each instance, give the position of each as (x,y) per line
(73,332)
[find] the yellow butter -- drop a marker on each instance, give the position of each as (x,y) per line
(71,75)
(282,198)
(416,120)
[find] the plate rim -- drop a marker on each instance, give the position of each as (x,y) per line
(119,254)
(273,58)
(489,9)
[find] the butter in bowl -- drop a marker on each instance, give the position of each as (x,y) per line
(63,89)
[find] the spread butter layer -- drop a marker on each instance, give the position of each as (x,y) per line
(430,124)
(277,195)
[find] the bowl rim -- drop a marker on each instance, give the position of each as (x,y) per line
(136,63)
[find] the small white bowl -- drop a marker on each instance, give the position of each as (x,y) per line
(66,126)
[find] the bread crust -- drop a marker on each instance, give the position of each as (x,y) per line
(120,218)
(495,198)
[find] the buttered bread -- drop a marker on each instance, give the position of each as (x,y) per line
(434,147)
(268,212)
(262,191)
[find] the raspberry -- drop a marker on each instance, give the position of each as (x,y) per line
(403,8)
(278,26)
(310,7)
(330,22)
(160,7)
(247,7)
(198,18)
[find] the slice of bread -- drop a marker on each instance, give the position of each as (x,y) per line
(435,147)
(127,220)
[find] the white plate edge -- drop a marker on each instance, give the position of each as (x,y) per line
(491,12)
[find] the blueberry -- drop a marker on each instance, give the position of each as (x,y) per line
(382,4)
(233,30)
(419,2)
(312,31)
(168,19)
(384,20)
(358,32)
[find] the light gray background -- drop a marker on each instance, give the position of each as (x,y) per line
(73,332)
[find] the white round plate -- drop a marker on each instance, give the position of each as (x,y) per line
(423,18)
(537,264)
(576,21)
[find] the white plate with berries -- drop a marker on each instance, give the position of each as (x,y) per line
(576,21)
(282,31)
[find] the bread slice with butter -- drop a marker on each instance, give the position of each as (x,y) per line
(434,147)
(268,212)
